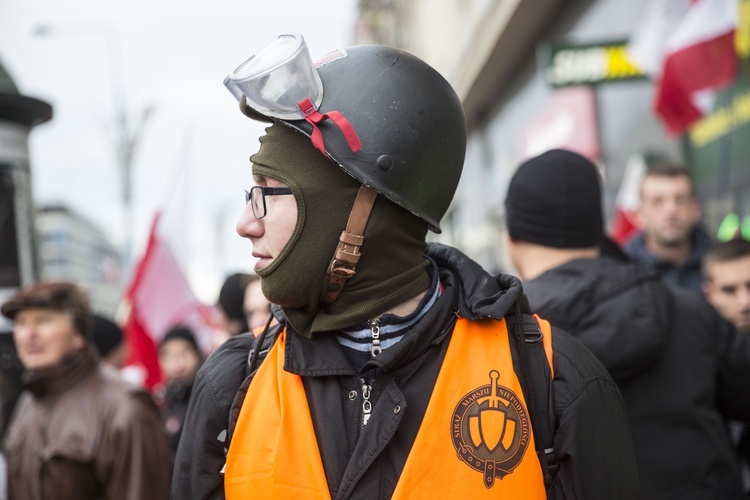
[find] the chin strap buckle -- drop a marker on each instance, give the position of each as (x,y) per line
(347,254)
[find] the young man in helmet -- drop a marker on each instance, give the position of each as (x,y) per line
(398,369)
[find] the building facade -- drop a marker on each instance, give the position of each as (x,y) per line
(74,249)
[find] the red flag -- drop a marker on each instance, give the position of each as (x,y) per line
(624,223)
(159,295)
(688,48)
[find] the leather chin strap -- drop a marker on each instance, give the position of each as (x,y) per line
(347,252)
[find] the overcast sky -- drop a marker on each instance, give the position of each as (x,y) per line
(171,57)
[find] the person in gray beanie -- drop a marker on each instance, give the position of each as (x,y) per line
(680,367)
(396,369)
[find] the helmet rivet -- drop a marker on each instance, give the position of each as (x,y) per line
(385,162)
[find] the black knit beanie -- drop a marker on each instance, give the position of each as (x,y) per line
(183,333)
(555,200)
(232,297)
(107,334)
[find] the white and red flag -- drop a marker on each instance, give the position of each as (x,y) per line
(688,48)
(624,223)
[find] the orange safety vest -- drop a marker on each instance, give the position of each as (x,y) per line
(475,439)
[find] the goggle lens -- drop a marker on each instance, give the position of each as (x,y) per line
(275,80)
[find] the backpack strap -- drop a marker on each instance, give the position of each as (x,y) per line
(535,379)
(258,351)
(261,347)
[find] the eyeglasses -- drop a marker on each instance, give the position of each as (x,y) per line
(257,198)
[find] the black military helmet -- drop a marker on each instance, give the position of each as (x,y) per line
(408,119)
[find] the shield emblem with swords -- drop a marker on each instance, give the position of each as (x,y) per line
(492,426)
(491,429)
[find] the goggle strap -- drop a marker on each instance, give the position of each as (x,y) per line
(346,128)
(313,117)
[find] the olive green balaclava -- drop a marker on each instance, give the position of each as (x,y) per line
(392,268)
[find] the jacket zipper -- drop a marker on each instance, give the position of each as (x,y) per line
(367,388)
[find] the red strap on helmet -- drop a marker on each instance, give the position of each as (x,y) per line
(313,117)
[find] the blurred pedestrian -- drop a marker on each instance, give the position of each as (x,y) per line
(109,342)
(681,368)
(230,319)
(179,361)
(78,431)
(398,369)
(256,306)
(726,271)
(231,299)
(671,240)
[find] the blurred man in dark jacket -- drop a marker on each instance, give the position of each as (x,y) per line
(726,272)
(671,240)
(677,363)
(79,430)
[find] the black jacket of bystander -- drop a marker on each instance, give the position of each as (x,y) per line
(680,367)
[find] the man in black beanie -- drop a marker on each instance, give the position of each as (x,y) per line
(675,360)
(396,369)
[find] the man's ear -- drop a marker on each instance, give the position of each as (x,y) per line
(707,287)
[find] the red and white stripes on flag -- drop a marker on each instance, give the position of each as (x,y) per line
(688,48)
(624,223)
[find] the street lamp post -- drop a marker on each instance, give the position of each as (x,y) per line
(126,136)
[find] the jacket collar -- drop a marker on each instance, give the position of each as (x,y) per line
(60,378)
(480,294)
(701,241)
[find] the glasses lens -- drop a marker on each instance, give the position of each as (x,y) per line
(258,201)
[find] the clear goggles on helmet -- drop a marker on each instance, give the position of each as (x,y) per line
(278,78)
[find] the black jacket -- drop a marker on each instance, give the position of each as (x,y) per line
(173,400)
(677,363)
(592,439)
